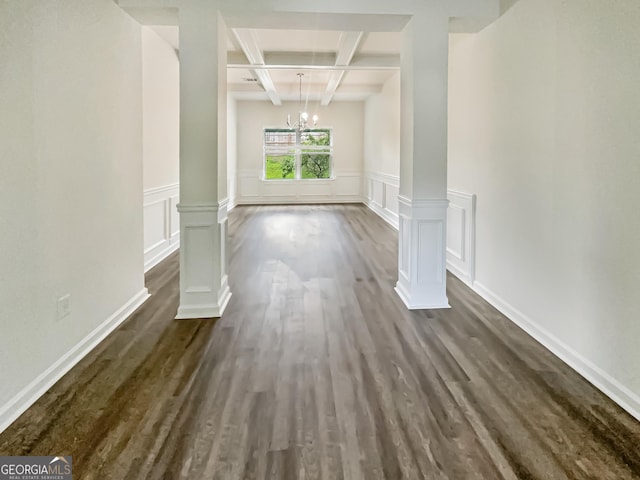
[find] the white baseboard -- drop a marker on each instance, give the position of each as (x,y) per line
(15,407)
(614,389)
(464,276)
(619,393)
(161,255)
(388,216)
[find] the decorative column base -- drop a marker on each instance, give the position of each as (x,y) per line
(422,261)
(204,288)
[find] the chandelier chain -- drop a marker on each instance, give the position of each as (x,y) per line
(303,116)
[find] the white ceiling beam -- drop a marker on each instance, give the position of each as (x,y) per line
(347,47)
(332,85)
(309,61)
(347,92)
(322,19)
(249,44)
(349,42)
(374,62)
(265,80)
(296,59)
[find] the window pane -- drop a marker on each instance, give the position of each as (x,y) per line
(279,166)
(315,165)
(279,138)
(315,137)
(291,154)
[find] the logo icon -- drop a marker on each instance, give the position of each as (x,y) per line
(36,468)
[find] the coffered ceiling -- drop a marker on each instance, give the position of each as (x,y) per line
(263,63)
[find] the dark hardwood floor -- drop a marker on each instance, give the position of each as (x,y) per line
(317,370)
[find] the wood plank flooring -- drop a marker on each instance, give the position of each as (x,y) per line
(317,371)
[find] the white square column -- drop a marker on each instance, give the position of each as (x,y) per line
(204,289)
(204,286)
(422,254)
(423,161)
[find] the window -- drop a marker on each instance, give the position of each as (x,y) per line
(291,154)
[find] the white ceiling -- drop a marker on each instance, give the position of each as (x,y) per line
(264,62)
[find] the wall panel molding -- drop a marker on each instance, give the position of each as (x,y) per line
(381,196)
(346,187)
(461,235)
(161,224)
(382,192)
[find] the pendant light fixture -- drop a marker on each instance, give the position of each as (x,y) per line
(303,117)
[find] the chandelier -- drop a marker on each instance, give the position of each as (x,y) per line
(303,117)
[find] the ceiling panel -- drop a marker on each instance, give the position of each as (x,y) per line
(287,83)
(355,84)
(239,75)
(381,43)
(170,34)
(367,77)
(284,76)
(297,40)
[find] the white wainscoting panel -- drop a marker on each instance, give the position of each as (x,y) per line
(161,224)
(346,187)
(382,196)
(461,236)
(376,193)
(382,192)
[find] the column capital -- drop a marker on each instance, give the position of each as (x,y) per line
(419,207)
(219,209)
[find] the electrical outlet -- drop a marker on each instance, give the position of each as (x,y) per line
(63,306)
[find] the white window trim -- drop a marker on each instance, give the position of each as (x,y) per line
(297,149)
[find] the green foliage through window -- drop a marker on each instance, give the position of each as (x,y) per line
(279,166)
(289,154)
(315,165)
